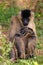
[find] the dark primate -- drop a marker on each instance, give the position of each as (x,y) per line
(23,33)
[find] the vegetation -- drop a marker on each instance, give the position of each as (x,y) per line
(5,46)
(6,12)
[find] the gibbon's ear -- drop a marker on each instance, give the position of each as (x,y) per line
(19,14)
(20,17)
(32,16)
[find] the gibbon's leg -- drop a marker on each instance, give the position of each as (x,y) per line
(24,35)
(29,39)
(14,54)
(20,47)
(31,46)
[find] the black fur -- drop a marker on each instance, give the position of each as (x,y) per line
(25,14)
(24,31)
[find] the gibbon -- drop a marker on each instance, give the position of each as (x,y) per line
(24,41)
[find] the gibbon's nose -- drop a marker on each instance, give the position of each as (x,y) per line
(25,22)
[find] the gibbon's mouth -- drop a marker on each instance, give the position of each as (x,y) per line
(25,24)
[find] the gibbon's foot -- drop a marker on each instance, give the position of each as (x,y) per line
(29,56)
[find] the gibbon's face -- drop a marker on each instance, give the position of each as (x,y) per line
(25,14)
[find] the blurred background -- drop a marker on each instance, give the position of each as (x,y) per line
(8,8)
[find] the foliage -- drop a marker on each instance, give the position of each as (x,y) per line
(6,12)
(39,23)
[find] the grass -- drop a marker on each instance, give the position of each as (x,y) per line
(5,16)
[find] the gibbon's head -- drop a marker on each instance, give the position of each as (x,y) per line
(26,15)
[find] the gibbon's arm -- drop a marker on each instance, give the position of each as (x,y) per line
(32,23)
